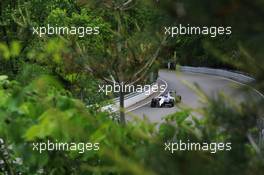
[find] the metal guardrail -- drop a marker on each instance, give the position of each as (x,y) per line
(127,96)
(130,98)
(131,95)
(219,72)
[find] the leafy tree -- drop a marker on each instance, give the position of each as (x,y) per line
(129,56)
(40,113)
(25,15)
(40,107)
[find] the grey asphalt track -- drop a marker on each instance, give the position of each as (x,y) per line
(211,85)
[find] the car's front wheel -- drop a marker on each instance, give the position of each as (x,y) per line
(172,103)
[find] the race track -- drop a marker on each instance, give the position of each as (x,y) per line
(211,85)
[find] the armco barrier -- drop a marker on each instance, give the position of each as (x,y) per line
(130,100)
(219,72)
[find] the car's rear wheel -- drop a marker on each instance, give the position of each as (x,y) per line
(153,103)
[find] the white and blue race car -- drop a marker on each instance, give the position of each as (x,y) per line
(165,100)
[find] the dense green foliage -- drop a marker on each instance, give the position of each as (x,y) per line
(245,18)
(42,110)
(48,93)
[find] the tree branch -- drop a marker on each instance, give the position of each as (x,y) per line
(145,68)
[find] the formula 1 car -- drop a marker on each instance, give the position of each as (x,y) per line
(165,100)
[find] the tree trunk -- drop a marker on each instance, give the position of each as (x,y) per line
(121,108)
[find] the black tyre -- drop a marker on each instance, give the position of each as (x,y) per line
(160,106)
(172,103)
(153,103)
